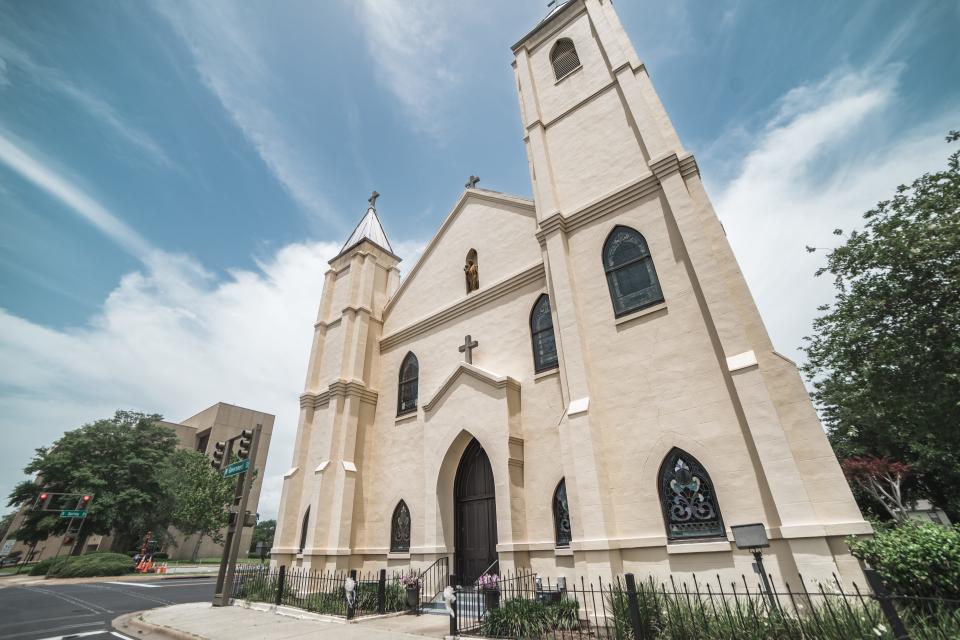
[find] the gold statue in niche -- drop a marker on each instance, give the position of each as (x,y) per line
(471,271)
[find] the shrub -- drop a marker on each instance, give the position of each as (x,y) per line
(914,559)
(94,564)
(518,618)
(44,566)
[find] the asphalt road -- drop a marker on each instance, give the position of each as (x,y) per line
(85,611)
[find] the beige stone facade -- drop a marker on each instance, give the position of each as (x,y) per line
(219,422)
(695,371)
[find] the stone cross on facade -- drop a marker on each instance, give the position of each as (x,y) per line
(469,344)
(373,199)
(472,182)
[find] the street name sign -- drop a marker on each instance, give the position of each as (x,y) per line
(236,468)
(73,513)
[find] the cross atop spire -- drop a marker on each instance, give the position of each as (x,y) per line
(472,182)
(369,228)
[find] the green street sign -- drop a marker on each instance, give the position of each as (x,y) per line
(236,468)
(73,513)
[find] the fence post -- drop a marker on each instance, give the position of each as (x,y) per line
(886,604)
(352,602)
(633,604)
(281,579)
(382,592)
(452,582)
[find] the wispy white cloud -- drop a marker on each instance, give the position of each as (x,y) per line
(229,61)
(170,338)
(54,80)
(819,163)
(44,176)
(409,43)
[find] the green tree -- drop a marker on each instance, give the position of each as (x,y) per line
(885,356)
(201,496)
(263,533)
(122,461)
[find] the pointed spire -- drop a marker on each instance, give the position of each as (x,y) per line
(369,229)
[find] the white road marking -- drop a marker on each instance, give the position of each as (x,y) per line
(23,622)
(120,635)
(135,584)
(89,606)
(73,626)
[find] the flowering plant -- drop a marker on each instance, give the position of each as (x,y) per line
(488,581)
(410,580)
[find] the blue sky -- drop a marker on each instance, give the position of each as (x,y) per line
(174,175)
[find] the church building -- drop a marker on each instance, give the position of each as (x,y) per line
(579,384)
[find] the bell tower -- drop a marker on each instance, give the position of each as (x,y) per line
(315,522)
(602,151)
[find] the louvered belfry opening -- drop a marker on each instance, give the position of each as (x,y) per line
(564,57)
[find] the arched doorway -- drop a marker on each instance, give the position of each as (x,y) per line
(475,515)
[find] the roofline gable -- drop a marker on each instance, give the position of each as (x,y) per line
(468,194)
(488,377)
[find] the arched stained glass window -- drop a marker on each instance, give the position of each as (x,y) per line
(541,332)
(400,528)
(407,389)
(564,58)
(303,530)
(631,276)
(561,515)
(690,508)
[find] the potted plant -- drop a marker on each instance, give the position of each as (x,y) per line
(411,582)
(489,584)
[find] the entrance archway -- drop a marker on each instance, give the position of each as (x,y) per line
(475,515)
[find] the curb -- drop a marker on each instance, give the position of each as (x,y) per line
(135,621)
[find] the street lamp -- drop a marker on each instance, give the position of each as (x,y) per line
(753,537)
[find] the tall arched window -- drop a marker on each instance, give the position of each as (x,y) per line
(400,529)
(541,332)
(407,389)
(690,508)
(564,57)
(561,515)
(631,276)
(303,530)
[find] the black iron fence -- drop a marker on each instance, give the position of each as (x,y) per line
(335,593)
(524,606)
(432,581)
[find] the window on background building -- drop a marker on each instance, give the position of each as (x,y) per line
(561,515)
(541,332)
(400,528)
(564,57)
(690,509)
(409,380)
(303,529)
(631,276)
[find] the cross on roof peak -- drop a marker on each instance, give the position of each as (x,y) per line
(472,182)
(373,199)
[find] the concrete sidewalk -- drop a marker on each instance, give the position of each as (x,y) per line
(202,621)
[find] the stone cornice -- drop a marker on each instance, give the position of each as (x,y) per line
(338,389)
(464,305)
(601,207)
(492,379)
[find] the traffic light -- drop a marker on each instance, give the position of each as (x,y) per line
(44,500)
(243,449)
(85,501)
(219,450)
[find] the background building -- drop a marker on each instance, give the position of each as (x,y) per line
(220,422)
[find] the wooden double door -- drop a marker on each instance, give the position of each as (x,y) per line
(475,515)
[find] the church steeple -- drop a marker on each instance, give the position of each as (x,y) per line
(369,228)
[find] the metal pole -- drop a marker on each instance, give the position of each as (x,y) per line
(231,546)
(758,556)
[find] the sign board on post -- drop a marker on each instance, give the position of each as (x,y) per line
(236,468)
(73,513)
